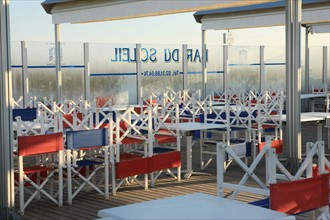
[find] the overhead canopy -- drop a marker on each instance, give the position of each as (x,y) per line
(77,11)
(314,13)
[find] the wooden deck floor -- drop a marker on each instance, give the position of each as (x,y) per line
(86,205)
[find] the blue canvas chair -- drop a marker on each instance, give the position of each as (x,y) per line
(87,155)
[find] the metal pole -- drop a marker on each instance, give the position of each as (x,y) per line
(25,79)
(204,68)
(325,67)
(139,74)
(7,195)
(307,33)
(225,67)
(58,63)
(185,66)
(293,80)
(87,85)
(262,69)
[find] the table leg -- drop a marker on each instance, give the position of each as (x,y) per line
(189,140)
(189,171)
(327,125)
(312,105)
(319,131)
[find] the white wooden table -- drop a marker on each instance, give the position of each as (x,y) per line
(188,128)
(192,206)
(326,117)
(308,117)
(312,98)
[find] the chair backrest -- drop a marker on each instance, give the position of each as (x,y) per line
(68,120)
(101,118)
(87,138)
(298,196)
(39,144)
(26,114)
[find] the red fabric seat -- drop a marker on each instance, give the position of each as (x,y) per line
(163,139)
(277,144)
(131,140)
(128,156)
(132,167)
(36,169)
(165,161)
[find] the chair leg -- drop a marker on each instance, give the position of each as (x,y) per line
(145,181)
(21,187)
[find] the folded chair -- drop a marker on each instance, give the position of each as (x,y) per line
(39,174)
(87,155)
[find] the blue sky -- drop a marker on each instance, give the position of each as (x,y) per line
(30,22)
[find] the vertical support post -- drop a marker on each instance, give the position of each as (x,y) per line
(325,68)
(225,67)
(293,79)
(7,196)
(185,66)
(262,69)
(307,33)
(58,63)
(204,68)
(25,79)
(139,74)
(87,85)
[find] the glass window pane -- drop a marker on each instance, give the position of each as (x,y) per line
(161,69)
(275,68)
(315,67)
(243,68)
(41,69)
(16,64)
(113,72)
(72,70)
(195,79)
(214,68)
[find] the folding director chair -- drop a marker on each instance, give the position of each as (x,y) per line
(39,174)
(129,142)
(165,151)
(82,165)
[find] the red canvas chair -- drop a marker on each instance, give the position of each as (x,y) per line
(299,196)
(165,152)
(39,174)
(303,195)
(128,147)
